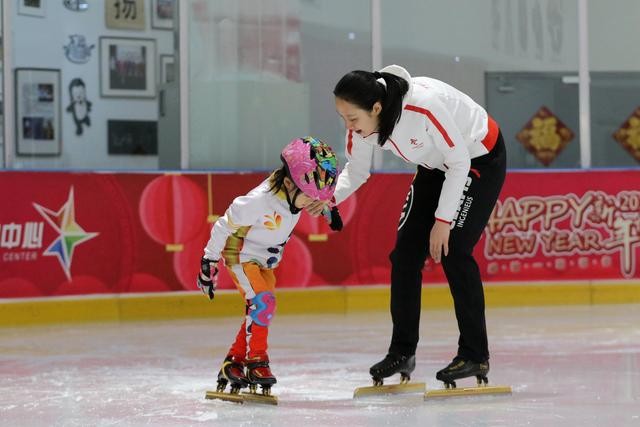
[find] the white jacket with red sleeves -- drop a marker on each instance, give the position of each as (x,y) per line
(439,128)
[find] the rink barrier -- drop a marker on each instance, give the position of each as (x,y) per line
(186,305)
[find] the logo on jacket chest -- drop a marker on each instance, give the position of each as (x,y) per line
(413,142)
(272,222)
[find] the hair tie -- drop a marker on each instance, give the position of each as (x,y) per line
(380,79)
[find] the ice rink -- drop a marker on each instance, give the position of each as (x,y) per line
(568,366)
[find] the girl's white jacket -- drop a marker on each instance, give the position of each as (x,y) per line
(439,128)
(254,228)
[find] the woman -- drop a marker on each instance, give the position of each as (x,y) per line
(461,161)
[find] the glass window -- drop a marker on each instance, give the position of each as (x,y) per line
(615,83)
(519,59)
(262,72)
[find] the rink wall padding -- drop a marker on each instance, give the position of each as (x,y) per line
(555,237)
(342,300)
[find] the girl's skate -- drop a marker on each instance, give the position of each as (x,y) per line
(232,373)
(259,374)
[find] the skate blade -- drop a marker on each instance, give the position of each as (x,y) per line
(260,398)
(467,391)
(236,398)
(389,389)
(242,397)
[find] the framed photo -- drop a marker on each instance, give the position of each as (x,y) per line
(139,137)
(125,14)
(38,115)
(162,13)
(167,68)
(127,67)
(32,7)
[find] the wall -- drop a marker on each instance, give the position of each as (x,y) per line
(38,42)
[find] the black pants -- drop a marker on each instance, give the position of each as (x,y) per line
(484,183)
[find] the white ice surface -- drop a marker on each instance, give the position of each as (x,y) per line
(568,366)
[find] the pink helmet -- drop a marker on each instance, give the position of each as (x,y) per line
(313,167)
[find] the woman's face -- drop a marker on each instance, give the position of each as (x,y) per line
(360,121)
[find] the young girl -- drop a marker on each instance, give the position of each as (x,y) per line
(250,237)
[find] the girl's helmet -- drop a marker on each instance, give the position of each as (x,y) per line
(313,167)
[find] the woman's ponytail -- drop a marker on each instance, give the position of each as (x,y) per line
(395,88)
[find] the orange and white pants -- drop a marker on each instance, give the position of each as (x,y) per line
(257,286)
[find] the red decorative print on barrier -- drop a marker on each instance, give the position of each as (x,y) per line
(564,225)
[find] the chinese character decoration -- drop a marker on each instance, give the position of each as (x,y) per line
(545,136)
(125,14)
(30,234)
(628,135)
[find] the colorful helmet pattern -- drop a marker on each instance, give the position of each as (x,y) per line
(312,166)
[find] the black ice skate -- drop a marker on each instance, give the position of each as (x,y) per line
(232,372)
(392,364)
(461,368)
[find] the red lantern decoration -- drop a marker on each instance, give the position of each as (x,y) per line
(172,210)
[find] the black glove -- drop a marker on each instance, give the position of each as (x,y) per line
(208,277)
(334,220)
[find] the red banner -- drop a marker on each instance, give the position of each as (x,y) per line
(88,233)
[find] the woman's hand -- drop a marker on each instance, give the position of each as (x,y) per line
(316,207)
(439,240)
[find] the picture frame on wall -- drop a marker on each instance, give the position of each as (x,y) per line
(38,112)
(133,137)
(167,68)
(162,14)
(32,8)
(125,14)
(127,67)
